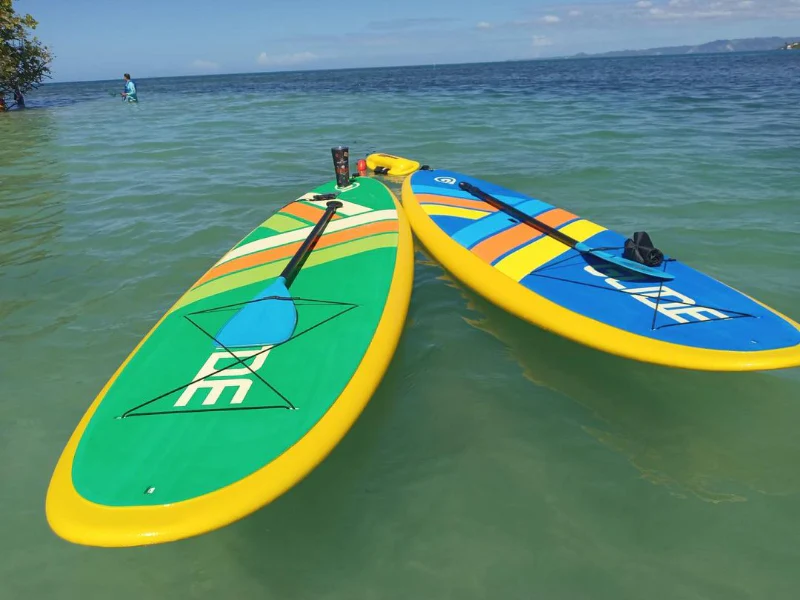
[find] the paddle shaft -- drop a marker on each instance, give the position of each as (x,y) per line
(291,269)
(519,215)
(564,238)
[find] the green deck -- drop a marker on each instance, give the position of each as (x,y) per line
(144,446)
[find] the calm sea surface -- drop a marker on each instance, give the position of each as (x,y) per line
(496,460)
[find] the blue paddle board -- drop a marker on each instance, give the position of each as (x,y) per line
(684,319)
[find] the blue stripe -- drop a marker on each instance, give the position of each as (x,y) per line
(449,224)
(495,223)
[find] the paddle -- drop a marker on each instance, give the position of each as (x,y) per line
(630,265)
(271,317)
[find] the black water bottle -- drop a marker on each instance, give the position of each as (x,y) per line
(341,164)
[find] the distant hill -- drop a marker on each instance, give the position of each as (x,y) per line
(739,45)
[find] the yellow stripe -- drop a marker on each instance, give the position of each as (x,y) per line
(282,223)
(518,264)
(454,211)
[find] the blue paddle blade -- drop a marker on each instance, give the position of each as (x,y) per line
(270,319)
(629,265)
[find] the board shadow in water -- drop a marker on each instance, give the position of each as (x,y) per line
(309,537)
(717,437)
(381,503)
(353,527)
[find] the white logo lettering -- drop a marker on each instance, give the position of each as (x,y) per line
(682,311)
(447,180)
(229,378)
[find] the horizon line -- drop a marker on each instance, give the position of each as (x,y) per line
(579,56)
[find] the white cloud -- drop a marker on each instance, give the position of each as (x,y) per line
(688,10)
(484,25)
(205,65)
(282,60)
(615,12)
(540,41)
(741,10)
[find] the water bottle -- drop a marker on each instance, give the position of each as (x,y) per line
(341,164)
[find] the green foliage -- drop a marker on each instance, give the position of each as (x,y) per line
(24,60)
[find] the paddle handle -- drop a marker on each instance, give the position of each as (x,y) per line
(518,215)
(291,269)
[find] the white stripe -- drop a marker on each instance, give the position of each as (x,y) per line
(296,235)
(348,208)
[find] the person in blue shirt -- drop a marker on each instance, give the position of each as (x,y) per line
(130,90)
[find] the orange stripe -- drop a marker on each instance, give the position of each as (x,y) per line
(450,201)
(556,217)
(305,211)
(273,254)
(494,247)
(500,243)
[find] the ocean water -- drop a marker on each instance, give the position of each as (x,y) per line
(496,460)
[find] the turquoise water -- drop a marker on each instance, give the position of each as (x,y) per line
(496,460)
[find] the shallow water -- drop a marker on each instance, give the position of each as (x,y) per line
(496,460)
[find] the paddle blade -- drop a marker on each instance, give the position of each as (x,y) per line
(269,319)
(628,265)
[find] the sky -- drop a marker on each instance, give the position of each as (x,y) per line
(101,39)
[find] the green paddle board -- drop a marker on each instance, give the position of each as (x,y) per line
(214,415)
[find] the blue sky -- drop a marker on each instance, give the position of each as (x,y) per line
(100,39)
